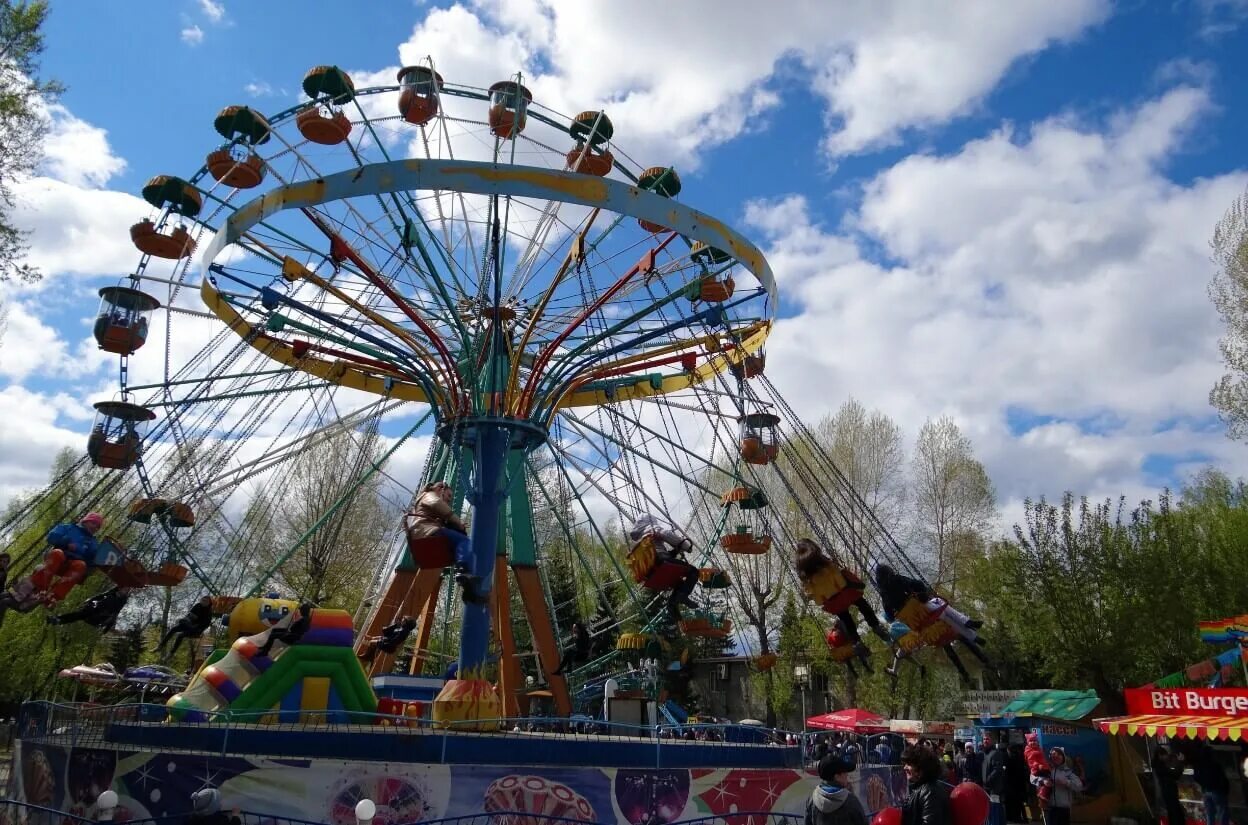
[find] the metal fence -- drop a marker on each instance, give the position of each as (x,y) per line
(379,737)
(21,813)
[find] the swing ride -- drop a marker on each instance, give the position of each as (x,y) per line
(432,263)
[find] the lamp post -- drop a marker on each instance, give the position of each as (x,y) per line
(801,675)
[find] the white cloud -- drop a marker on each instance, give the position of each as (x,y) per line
(192,35)
(78,231)
(258,88)
(215,12)
(1056,272)
(77,152)
(699,80)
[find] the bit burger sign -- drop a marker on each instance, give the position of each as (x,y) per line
(1188,701)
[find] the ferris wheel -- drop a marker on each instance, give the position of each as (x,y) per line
(427,258)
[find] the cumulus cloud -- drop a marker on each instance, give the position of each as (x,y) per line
(77,152)
(1046,287)
(192,35)
(697,81)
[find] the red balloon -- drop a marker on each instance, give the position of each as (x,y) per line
(887,816)
(968,803)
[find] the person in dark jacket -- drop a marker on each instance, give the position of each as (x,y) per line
(98,611)
(579,652)
(1215,787)
(191,626)
(291,634)
(391,639)
(928,802)
(832,802)
(995,782)
(1166,773)
(972,764)
(1017,784)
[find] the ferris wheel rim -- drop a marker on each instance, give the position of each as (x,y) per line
(490,179)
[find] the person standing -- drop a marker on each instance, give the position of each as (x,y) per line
(832,802)
(1215,787)
(1017,786)
(972,764)
(996,781)
(928,800)
(1065,785)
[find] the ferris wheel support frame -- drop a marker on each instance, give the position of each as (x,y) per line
(490,438)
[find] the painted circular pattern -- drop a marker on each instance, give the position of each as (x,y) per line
(534,795)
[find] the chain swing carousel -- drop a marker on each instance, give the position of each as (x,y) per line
(433,260)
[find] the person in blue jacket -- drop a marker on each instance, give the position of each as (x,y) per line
(65,566)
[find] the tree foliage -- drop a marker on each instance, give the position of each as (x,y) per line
(338,518)
(1099,595)
(954,501)
(23,120)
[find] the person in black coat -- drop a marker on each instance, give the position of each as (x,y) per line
(579,652)
(191,626)
(391,639)
(1166,773)
(98,611)
(995,781)
(928,802)
(289,635)
(1017,784)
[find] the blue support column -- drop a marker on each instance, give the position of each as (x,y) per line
(487,494)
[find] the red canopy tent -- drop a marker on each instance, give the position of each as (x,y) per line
(852,720)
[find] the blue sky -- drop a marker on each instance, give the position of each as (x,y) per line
(999,217)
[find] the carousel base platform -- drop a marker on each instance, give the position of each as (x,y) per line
(156,780)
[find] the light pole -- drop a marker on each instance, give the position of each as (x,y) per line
(801,675)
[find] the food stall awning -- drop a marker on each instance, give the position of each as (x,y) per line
(1183,727)
(1067,705)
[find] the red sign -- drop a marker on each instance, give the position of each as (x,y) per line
(1188,701)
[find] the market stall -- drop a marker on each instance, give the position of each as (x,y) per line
(1190,719)
(1064,718)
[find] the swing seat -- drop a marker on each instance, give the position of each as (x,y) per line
(916,616)
(665,576)
(641,560)
(842,601)
(169,574)
(431,553)
(426,552)
(126,573)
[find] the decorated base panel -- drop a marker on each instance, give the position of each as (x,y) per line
(160,784)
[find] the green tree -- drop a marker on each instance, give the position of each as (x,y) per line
(23,120)
(1229,291)
(338,517)
(1105,597)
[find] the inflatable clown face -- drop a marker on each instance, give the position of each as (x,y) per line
(252,616)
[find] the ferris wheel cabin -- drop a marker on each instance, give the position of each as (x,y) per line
(166,237)
(590,156)
(418,100)
(325,123)
(116,439)
(236,164)
(121,325)
(661,180)
(509,106)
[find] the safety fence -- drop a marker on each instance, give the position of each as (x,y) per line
(23,813)
(378,737)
